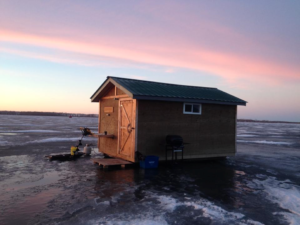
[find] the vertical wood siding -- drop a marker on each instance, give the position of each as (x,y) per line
(210,134)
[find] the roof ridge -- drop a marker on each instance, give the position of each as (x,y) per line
(147,81)
(151,90)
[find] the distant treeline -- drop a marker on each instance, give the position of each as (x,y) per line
(46,114)
(264,121)
(96,115)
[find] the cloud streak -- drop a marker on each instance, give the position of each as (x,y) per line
(227,65)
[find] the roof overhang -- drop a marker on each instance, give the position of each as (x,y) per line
(110,83)
(139,97)
(105,87)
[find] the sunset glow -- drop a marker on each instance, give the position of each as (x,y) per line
(248,49)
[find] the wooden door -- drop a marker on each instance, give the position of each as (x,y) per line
(126,142)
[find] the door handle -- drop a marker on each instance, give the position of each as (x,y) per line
(129,128)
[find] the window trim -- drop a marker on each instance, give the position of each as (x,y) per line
(193,113)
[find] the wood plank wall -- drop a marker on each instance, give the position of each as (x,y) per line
(211,134)
(109,123)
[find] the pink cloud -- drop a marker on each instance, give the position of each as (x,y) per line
(230,66)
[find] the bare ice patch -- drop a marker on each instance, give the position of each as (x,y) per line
(4,143)
(37,180)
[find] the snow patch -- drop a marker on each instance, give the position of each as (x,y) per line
(168,203)
(212,211)
(261,176)
(99,202)
(246,135)
(143,221)
(209,209)
(285,194)
(250,222)
(266,142)
(290,218)
(57,139)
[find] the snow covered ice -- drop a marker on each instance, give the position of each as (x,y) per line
(260,185)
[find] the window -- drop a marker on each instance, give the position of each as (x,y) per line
(190,108)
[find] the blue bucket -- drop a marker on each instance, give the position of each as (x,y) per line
(150,162)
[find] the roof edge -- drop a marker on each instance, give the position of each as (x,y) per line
(147,81)
(93,95)
(114,81)
(104,84)
(140,97)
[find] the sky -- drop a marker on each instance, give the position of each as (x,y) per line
(55,54)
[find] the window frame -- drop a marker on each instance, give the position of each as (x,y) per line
(192,104)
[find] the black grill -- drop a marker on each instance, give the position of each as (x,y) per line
(174,143)
(174,140)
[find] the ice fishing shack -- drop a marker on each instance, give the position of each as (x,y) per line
(137,116)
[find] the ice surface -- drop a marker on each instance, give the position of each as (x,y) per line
(30,131)
(3,143)
(26,130)
(260,184)
(269,134)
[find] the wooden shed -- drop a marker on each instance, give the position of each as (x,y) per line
(137,115)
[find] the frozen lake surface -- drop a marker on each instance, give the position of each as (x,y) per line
(260,185)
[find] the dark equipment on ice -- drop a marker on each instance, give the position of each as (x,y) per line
(174,140)
(85,131)
(64,156)
(75,151)
(175,144)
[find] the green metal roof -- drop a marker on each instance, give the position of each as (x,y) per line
(149,90)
